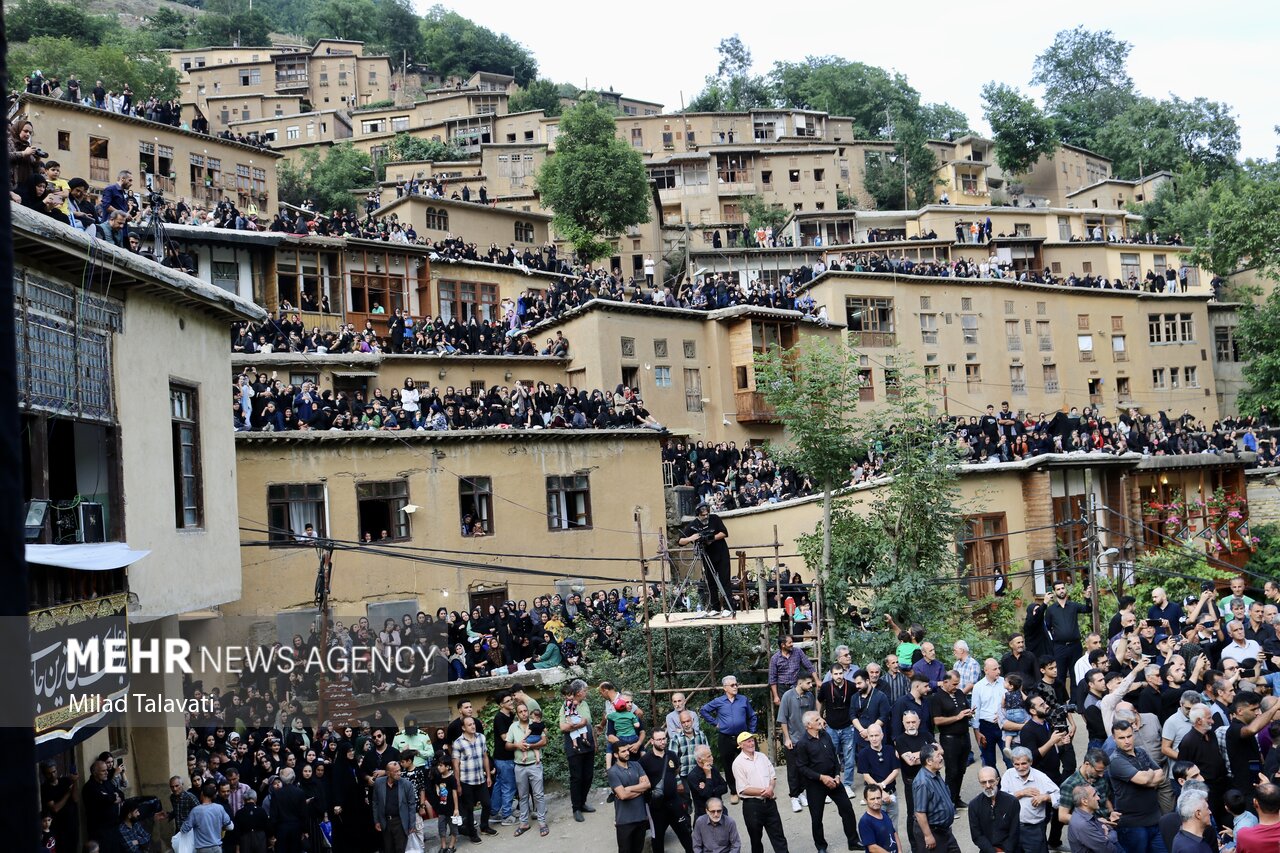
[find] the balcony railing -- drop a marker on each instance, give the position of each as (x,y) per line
(873,339)
(752,408)
(1013,343)
(1046,345)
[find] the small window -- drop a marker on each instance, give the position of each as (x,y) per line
(296,513)
(794,175)
(1008,306)
(382,513)
(64,140)
(660,348)
(1041,309)
(690,349)
(475,506)
(1122,387)
(1190,377)
(628,347)
(568,503)
(766,177)
(188,492)
(662,377)
(926,303)
(966,303)
(1157,378)
(1082,321)
(740,377)
(819,175)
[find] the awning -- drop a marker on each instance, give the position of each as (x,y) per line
(354,374)
(88,557)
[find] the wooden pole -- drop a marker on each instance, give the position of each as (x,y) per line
(648,632)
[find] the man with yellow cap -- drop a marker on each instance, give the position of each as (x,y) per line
(755,777)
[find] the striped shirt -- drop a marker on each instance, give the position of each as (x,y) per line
(933,798)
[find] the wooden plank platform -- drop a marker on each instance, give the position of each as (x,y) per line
(702,620)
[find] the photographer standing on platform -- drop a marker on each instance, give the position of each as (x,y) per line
(708,535)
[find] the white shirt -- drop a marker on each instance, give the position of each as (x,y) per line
(1012,783)
(1240,653)
(987,698)
(1081,667)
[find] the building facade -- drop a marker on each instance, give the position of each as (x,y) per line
(96,145)
(125,448)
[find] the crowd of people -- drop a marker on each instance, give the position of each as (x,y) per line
(1161,735)
(262,403)
(993,267)
(1010,435)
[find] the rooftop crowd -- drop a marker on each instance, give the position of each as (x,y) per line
(1010,435)
(264,404)
(1160,736)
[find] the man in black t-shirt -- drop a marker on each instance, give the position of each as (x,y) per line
(1243,753)
(708,534)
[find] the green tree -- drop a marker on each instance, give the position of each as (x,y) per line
(32,19)
(943,121)
(168,28)
(406,148)
(454,45)
(595,183)
(541,94)
(1244,223)
(733,87)
(874,98)
(147,72)
(328,182)
(232,22)
(762,214)
(1259,337)
(887,180)
(286,16)
(1182,205)
(1023,134)
(397,31)
(1150,136)
(1086,82)
(1265,561)
(814,388)
(898,549)
(343,19)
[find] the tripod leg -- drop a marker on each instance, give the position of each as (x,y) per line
(710,568)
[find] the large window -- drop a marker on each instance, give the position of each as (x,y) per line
(986,552)
(1170,328)
(467,299)
(870,321)
(1224,343)
(568,503)
(969,328)
(188,510)
(292,508)
(437,219)
(475,506)
(381,509)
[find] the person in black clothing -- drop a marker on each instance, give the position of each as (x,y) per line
(666,806)
(704,781)
(908,745)
(252,825)
(289,813)
(1034,632)
(820,767)
(710,534)
(102,801)
(1019,660)
(949,707)
(58,798)
(993,816)
(1062,619)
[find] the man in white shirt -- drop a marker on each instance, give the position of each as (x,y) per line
(1034,791)
(1240,649)
(986,701)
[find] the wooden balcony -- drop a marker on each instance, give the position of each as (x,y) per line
(752,408)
